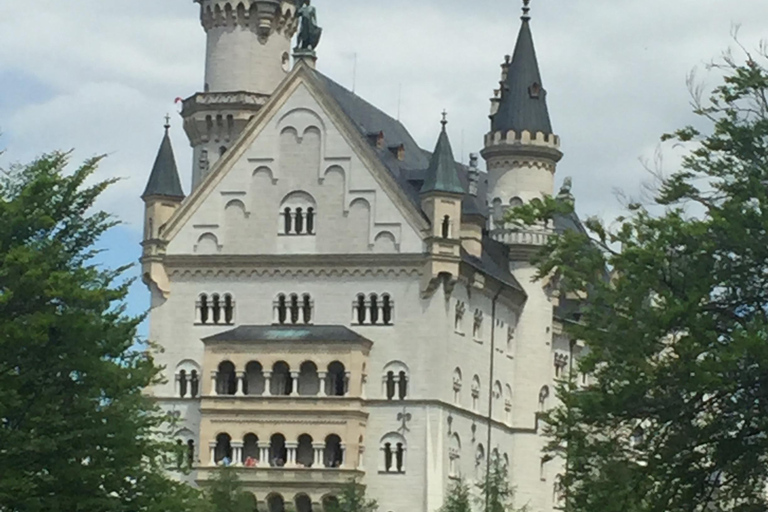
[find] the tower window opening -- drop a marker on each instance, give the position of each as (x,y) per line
(446,227)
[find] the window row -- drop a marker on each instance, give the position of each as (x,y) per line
(305,452)
(478,327)
(293,309)
(298,221)
(501,397)
(281,380)
(215,309)
(373,310)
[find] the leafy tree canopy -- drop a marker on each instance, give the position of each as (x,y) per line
(76,430)
(676,324)
(352,498)
(225,494)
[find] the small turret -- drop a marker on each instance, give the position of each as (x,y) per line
(521,150)
(441,197)
(162,197)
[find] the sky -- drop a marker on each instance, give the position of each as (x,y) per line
(98,77)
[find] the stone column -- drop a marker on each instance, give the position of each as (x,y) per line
(347,380)
(198,313)
(355,308)
(343,455)
(264,455)
(240,379)
(267,383)
(360,453)
(295,384)
(302,317)
(214,375)
(212,446)
(177,386)
(276,313)
(367,312)
(323,376)
(291,448)
(237,453)
(319,451)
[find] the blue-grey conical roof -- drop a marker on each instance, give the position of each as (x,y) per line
(164,179)
(523,103)
(442,175)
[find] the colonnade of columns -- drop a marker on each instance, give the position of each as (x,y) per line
(323,378)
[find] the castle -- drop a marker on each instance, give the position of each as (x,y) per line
(335,302)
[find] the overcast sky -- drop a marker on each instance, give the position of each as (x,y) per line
(99,75)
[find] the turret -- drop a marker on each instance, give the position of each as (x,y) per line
(247,56)
(441,197)
(162,196)
(521,150)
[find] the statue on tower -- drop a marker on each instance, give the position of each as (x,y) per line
(309,32)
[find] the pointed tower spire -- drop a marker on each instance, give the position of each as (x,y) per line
(164,179)
(442,175)
(523,101)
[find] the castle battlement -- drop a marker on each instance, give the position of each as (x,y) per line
(523,138)
(263,15)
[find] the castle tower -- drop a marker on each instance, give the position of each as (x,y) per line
(161,197)
(521,150)
(441,196)
(247,56)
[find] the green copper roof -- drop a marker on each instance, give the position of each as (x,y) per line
(164,179)
(523,103)
(442,175)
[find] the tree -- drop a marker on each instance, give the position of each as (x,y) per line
(77,431)
(226,494)
(352,498)
(496,492)
(458,498)
(675,325)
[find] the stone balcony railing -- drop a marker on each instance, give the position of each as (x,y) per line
(285,475)
(521,236)
(223,101)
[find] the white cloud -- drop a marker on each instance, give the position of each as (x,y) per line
(615,72)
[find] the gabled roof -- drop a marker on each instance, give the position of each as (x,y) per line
(523,103)
(164,178)
(441,175)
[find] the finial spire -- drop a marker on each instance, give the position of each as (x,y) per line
(526,10)
(444,121)
(167,125)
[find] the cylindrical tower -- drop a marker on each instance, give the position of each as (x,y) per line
(247,57)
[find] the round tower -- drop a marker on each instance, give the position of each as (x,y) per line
(247,56)
(521,150)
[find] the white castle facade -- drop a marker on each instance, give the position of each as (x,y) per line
(335,303)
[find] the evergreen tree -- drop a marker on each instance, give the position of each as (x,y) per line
(496,492)
(225,493)
(352,498)
(77,431)
(676,324)
(458,498)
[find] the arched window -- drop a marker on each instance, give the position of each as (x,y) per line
(337,380)
(250,450)
(282,383)
(182,383)
(395,380)
(229,309)
(278,453)
(544,398)
(305,453)
(330,503)
(454,456)
(309,382)
(374,309)
(459,317)
(194,384)
(223,451)
(334,454)
(190,453)
(303,503)
(203,312)
(477,327)
(446,228)
(497,394)
(254,383)
(508,404)
(216,308)
(360,309)
(393,449)
(275,503)
(387,309)
(457,386)
(475,393)
(226,380)
(295,311)
(307,308)
(222,150)
(479,461)
(299,212)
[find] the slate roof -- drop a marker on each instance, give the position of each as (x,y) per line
(442,174)
(164,178)
(288,334)
(494,262)
(522,107)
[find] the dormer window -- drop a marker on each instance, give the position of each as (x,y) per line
(535,90)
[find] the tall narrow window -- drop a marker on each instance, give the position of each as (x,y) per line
(216,305)
(282,309)
(229,309)
(400,457)
(307,306)
(287,221)
(374,309)
(361,309)
(194,384)
(446,227)
(204,309)
(299,221)
(311,221)
(403,385)
(182,383)
(390,385)
(387,457)
(190,453)
(386,309)
(294,309)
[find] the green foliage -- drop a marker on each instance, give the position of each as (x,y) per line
(496,494)
(458,498)
(676,325)
(76,430)
(225,494)
(352,498)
